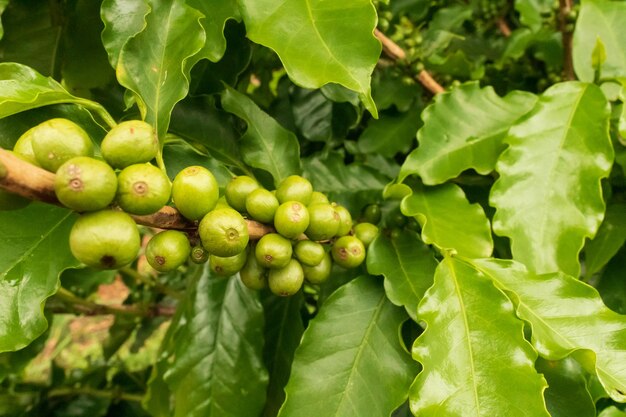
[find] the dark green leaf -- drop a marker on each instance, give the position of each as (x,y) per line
(390,134)
(3,5)
(216,14)
(611,286)
(567,393)
(609,239)
(312,114)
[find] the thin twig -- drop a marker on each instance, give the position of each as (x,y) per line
(565,7)
(116,394)
(503,27)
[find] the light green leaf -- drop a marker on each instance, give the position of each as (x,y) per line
(598,55)
(472,350)
(35,250)
(548,198)
(612,411)
(351,362)
(22,88)
(319,42)
(407,265)
(3,5)
(566,316)
(266,144)
(464,129)
(216,14)
(217,367)
(122,19)
(600,19)
(609,239)
(567,393)
(531,12)
(449,221)
(155,63)
(390,134)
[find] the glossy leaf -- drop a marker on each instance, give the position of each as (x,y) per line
(602,20)
(567,393)
(612,411)
(548,197)
(3,5)
(449,221)
(265,144)
(223,332)
(407,265)
(472,349)
(390,134)
(464,129)
(312,114)
(216,14)
(566,316)
(609,239)
(122,19)
(35,250)
(323,42)
(155,63)
(351,350)
(611,286)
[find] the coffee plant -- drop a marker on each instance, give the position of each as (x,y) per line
(355,208)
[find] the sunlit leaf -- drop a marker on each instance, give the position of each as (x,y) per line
(216,14)
(122,19)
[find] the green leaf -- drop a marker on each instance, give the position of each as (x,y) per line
(218,351)
(548,198)
(407,265)
(449,221)
(611,286)
(388,90)
(155,63)
(3,5)
(323,42)
(531,12)
(312,114)
(265,144)
(467,348)
(599,19)
(349,352)
(609,239)
(566,316)
(122,19)
(390,134)
(216,14)
(35,250)
(612,411)
(474,139)
(598,55)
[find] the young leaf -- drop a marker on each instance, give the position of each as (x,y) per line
(322,43)
(216,14)
(407,265)
(567,393)
(35,250)
(464,129)
(467,348)
(449,221)
(122,19)
(566,316)
(351,350)
(266,144)
(609,239)
(548,198)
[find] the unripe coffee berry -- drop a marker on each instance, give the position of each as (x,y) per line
(85,184)
(345,223)
(291,219)
(253,275)
(317,197)
(366,233)
(24,147)
(227,266)
(168,250)
(237,190)
(273,251)
(309,253)
(224,232)
(199,255)
(261,205)
(319,273)
(286,281)
(323,222)
(195,192)
(58,140)
(294,188)
(130,142)
(142,189)
(348,252)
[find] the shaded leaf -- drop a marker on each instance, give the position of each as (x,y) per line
(312,114)
(407,265)
(611,286)
(609,239)
(122,19)
(389,90)
(449,221)
(548,198)
(350,350)
(567,393)
(466,351)
(35,250)
(3,5)
(464,129)
(390,134)
(179,155)
(531,12)
(322,43)
(216,14)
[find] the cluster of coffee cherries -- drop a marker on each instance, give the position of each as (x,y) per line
(308,233)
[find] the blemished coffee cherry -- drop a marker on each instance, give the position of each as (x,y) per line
(345,223)
(199,255)
(237,190)
(142,189)
(309,253)
(348,252)
(24,147)
(319,273)
(12,201)
(294,188)
(224,232)
(130,142)
(85,184)
(56,141)
(323,222)
(273,251)
(168,250)
(317,197)
(253,275)
(366,233)
(372,214)
(105,239)
(261,205)
(227,266)
(286,281)
(195,192)
(291,219)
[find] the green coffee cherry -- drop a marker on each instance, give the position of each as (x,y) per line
(24,147)
(372,214)
(366,233)
(142,189)
(168,250)
(348,252)
(12,201)
(273,251)
(105,239)
(324,222)
(199,255)
(345,223)
(291,219)
(253,275)
(309,253)
(85,184)
(317,197)
(58,140)
(294,188)
(319,273)
(261,205)
(237,191)
(227,266)
(286,281)
(130,142)
(224,232)
(195,192)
